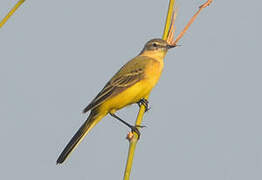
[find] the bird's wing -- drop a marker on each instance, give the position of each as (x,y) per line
(127,76)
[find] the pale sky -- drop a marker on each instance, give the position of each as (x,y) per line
(205,119)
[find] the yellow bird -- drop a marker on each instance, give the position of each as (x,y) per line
(131,84)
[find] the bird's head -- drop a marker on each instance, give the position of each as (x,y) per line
(156,47)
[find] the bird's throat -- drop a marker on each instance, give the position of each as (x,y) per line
(159,56)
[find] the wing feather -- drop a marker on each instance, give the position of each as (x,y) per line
(117,84)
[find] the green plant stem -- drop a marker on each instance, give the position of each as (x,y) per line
(11,12)
(133,141)
(132,144)
(168,19)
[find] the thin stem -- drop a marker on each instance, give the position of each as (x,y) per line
(11,12)
(134,139)
(132,143)
(192,20)
(168,35)
(168,19)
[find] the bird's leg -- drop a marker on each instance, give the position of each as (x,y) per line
(133,128)
(145,103)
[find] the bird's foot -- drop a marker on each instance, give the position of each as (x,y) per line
(135,129)
(145,103)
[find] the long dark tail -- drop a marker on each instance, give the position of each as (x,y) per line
(91,121)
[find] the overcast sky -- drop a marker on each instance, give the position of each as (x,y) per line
(205,119)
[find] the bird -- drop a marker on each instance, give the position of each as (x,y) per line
(131,84)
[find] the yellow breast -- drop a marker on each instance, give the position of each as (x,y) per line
(152,71)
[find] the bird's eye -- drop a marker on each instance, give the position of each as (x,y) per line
(154,45)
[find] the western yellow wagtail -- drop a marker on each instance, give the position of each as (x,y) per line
(131,84)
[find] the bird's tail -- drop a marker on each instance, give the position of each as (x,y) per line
(91,121)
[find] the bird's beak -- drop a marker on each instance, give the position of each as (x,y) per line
(169,46)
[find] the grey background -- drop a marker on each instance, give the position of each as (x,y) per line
(205,121)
